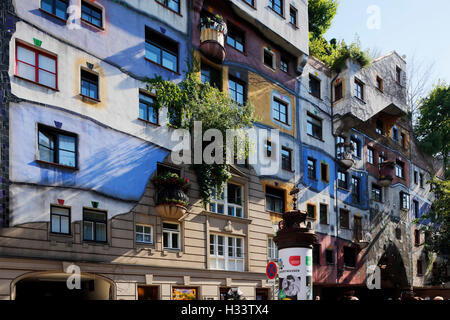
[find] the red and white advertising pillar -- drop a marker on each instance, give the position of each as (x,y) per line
(295,243)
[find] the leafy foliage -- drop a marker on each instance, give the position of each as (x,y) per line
(433,126)
(335,54)
(171,179)
(437,222)
(320,15)
(190,101)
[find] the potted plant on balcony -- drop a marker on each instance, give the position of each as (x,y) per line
(213,22)
(345,158)
(171,198)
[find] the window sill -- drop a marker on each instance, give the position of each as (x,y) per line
(149,122)
(288,170)
(57,165)
(160,65)
(55,235)
(83,97)
(349,268)
(269,68)
(251,6)
(92,25)
(278,14)
(274,212)
(343,189)
(317,97)
(52,15)
(226,217)
(37,83)
(164,6)
(360,100)
(293,26)
(320,139)
(281,122)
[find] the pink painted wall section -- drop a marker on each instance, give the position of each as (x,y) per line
(324,274)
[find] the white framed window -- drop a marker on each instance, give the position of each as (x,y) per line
(226,253)
(269,58)
(272,249)
(60,220)
(144,233)
(229,202)
(171,236)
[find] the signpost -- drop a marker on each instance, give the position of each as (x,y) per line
(271,272)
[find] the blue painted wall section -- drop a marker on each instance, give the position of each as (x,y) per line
(346,195)
(317,184)
(110,162)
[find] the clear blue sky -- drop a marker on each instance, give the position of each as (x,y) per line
(411,27)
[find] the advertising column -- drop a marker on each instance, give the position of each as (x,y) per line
(295,243)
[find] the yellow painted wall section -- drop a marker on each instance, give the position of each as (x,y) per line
(287,187)
(260,95)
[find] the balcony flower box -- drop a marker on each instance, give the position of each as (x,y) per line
(387,169)
(171,198)
(212,37)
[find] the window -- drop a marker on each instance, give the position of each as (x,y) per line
(148,292)
(415,177)
(89,84)
(293,15)
(57,146)
(404,200)
(356,147)
(161,50)
(269,58)
(338,91)
(55,7)
(398,233)
(349,257)
(91,14)
(340,148)
(379,84)
(421,180)
(314,86)
(229,202)
(147,111)
(162,169)
(269,148)
(379,127)
(314,126)
(400,169)
(323,213)
(171,4)
(377,193)
(419,267)
(403,140)
(226,253)
(280,110)
(381,158)
(171,236)
(211,75)
(324,172)
(36,66)
(370,156)
(277,6)
(395,133)
(286,159)
(356,192)
(60,220)
(272,250)
(311,211)
(275,200)
(235,38)
(144,234)
(94,225)
(417,237)
(359,89)
(342,179)
(250,2)
(416,209)
(284,64)
(316,254)
(398,75)
(344,219)
(236,90)
(312,169)
(427,237)
(329,257)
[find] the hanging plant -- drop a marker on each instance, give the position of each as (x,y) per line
(171,189)
(190,101)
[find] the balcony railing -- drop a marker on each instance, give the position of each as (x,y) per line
(212,38)
(387,169)
(344,155)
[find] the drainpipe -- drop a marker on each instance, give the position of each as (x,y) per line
(335,187)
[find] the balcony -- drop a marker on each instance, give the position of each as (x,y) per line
(212,37)
(387,170)
(345,155)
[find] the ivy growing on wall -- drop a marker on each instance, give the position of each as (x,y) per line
(190,101)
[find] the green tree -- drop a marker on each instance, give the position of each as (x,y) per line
(437,223)
(190,101)
(433,126)
(320,15)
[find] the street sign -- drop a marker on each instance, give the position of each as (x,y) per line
(271,270)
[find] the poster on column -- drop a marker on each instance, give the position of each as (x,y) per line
(295,274)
